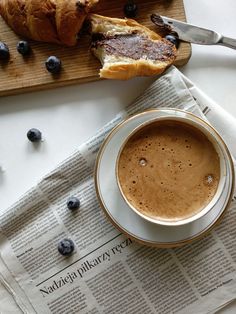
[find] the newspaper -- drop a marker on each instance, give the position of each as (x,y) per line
(108,272)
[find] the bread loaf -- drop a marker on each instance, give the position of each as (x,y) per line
(127,48)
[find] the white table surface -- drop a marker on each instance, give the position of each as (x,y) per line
(67,116)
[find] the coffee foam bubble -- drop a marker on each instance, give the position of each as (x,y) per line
(169,170)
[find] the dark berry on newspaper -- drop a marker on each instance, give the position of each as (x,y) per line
(73,203)
(66,247)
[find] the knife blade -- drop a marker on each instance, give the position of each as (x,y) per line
(197,35)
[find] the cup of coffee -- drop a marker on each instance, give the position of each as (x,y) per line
(172,170)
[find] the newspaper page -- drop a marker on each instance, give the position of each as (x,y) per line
(108,272)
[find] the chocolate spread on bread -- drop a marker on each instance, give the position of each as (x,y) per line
(134,46)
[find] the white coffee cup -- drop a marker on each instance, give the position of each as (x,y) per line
(219,145)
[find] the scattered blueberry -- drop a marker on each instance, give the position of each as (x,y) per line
(73,203)
(34,135)
(53,64)
(130,9)
(4,51)
(23,47)
(66,247)
(173,39)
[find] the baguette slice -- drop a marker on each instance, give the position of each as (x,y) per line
(54,21)
(127,49)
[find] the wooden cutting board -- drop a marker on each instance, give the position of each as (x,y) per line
(79,65)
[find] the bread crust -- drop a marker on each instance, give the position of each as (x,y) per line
(54,21)
(124,68)
(127,25)
(127,71)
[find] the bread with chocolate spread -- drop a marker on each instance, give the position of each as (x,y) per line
(54,21)
(127,49)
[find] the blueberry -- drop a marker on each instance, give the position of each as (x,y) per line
(66,247)
(34,135)
(173,39)
(73,203)
(23,47)
(53,64)
(4,51)
(130,9)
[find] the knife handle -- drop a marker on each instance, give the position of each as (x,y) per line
(227,42)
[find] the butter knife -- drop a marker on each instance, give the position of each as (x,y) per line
(197,35)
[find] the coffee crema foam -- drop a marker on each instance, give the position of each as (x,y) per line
(169,170)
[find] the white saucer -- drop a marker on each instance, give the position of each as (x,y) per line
(124,218)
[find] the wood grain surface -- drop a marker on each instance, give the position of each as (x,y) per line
(22,74)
